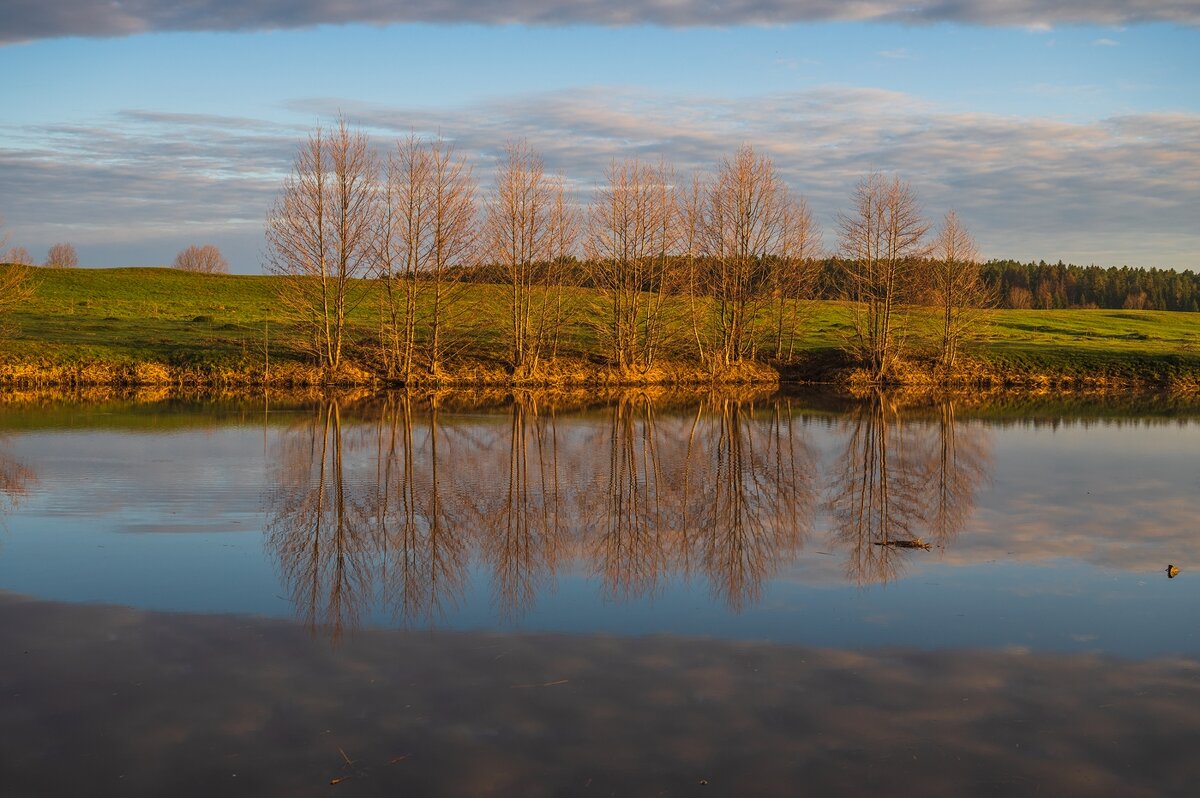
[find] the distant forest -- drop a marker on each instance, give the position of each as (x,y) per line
(1044,285)
(1016,285)
(1060,285)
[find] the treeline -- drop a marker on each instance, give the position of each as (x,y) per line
(1060,285)
(734,251)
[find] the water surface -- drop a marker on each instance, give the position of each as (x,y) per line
(635,593)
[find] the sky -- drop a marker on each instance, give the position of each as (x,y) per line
(1057,130)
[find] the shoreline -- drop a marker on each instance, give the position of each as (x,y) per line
(1104,375)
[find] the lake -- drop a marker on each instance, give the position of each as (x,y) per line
(610,593)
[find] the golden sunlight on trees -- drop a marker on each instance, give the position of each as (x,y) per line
(425,231)
(745,227)
(319,234)
(62,256)
(706,273)
(956,287)
(796,274)
(883,243)
(631,234)
(206,259)
(518,239)
(16,281)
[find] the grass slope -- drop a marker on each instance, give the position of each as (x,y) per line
(144,315)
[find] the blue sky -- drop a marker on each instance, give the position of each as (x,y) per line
(1061,130)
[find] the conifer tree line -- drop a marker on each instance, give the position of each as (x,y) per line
(715,268)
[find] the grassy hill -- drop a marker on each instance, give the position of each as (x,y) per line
(210,324)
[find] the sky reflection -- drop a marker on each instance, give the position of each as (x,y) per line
(749,517)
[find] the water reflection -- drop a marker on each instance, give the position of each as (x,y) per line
(15,480)
(754,481)
(520,518)
(202,705)
(385,501)
(898,483)
(320,528)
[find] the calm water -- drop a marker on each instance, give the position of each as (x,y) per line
(731,594)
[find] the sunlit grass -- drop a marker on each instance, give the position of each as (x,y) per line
(140,314)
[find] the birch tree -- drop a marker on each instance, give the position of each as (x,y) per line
(796,273)
(320,234)
(882,242)
(745,225)
(402,245)
(453,236)
(565,224)
(632,229)
(956,287)
(518,239)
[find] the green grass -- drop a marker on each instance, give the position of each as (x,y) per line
(167,316)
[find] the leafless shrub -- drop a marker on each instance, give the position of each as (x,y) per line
(205,259)
(62,256)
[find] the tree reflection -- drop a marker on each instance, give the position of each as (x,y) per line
(325,549)
(632,550)
(416,514)
(346,535)
(15,479)
(752,486)
(896,481)
(958,466)
(388,510)
(520,515)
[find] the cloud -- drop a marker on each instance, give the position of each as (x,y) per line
(1106,43)
(1112,191)
(23,20)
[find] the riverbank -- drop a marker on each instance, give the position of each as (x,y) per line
(161,327)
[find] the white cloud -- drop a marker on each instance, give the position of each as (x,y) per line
(1112,191)
(1106,42)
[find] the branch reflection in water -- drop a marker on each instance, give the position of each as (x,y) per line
(15,480)
(392,501)
(898,482)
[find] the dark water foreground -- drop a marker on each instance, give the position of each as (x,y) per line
(629,595)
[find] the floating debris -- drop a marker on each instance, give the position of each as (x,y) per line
(915,543)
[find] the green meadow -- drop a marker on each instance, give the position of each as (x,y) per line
(212,322)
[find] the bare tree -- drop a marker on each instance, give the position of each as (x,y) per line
(319,232)
(956,286)
(632,230)
(796,273)
(518,239)
(206,259)
(453,236)
(17,255)
(565,223)
(691,241)
(62,256)
(402,246)
(16,282)
(882,241)
(745,226)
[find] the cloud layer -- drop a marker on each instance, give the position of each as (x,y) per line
(23,20)
(1113,191)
